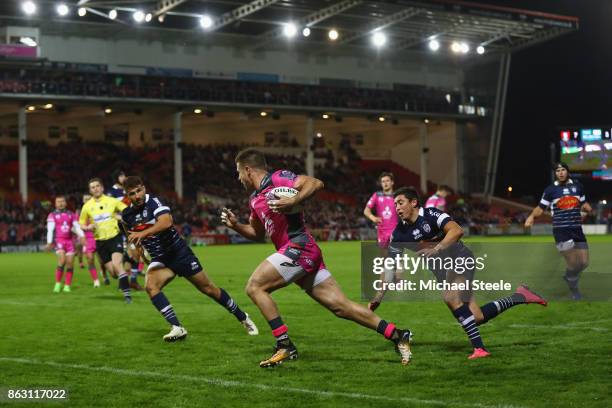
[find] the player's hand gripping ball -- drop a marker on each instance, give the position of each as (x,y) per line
(282,199)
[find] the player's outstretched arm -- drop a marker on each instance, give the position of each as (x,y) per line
(254,230)
(452,234)
(535,213)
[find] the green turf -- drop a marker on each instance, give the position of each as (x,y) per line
(110,354)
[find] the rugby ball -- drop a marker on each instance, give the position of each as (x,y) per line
(288,192)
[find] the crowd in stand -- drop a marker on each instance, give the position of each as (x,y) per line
(210,182)
(54,81)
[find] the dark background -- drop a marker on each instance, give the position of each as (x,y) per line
(562,82)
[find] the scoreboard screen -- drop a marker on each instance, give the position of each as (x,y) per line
(587,149)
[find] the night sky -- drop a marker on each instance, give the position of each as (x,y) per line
(563,82)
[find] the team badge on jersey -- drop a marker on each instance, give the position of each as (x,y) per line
(426,228)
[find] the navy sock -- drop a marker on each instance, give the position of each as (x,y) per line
(124,284)
(571,277)
(279,330)
(492,309)
(160,301)
(227,302)
(467,320)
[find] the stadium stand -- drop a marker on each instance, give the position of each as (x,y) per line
(49,81)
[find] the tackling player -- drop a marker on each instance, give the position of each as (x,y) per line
(150,224)
(385,219)
(428,225)
(566,200)
(61,224)
(298,259)
(98,215)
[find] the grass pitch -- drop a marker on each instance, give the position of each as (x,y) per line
(106,353)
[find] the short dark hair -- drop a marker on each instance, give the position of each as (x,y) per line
(561,164)
(92,180)
(444,187)
(132,182)
(408,192)
(252,158)
(386,174)
(116,175)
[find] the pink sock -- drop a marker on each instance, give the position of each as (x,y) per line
(68,280)
(59,272)
(93,273)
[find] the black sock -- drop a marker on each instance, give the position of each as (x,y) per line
(227,302)
(492,309)
(165,308)
(467,320)
(124,284)
(388,330)
(279,330)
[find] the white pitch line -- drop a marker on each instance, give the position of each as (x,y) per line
(240,384)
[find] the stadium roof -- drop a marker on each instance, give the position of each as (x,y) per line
(260,24)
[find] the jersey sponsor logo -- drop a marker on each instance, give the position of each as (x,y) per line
(568,203)
(293,252)
(287,174)
(101,217)
(435,213)
(566,191)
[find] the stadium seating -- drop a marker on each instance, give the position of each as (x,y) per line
(56,81)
